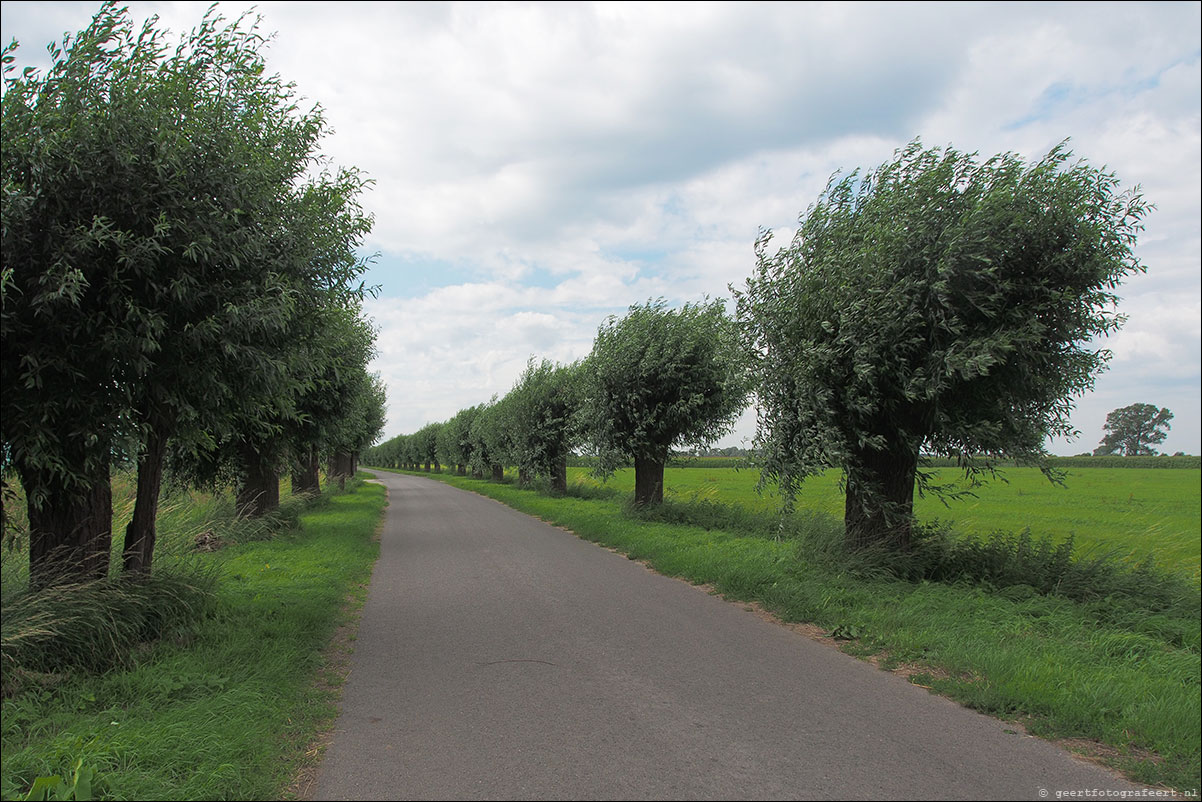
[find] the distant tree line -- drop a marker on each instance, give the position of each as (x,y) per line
(180,285)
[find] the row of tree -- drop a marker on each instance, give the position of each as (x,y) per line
(656,380)
(180,284)
(938,305)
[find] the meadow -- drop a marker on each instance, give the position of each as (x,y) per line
(1132,512)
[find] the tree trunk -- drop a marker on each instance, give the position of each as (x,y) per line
(648,481)
(559,477)
(259,493)
(437,467)
(426,468)
(879,510)
(524,477)
(461,469)
(477,473)
(70,533)
(498,473)
(342,467)
(307,477)
(140,533)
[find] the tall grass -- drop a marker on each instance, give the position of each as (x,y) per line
(226,707)
(97,625)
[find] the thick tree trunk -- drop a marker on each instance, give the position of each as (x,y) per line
(648,481)
(559,476)
(426,467)
(524,477)
(259,493)
(879,509)
(70,533)
(437,467)
(306,477)
(461,469)
(342,467)
(498,473)
(140,533)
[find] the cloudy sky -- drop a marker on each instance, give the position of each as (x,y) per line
(539,167)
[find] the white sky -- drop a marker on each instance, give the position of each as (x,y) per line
(538,167)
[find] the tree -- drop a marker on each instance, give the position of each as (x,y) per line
(1132,431)
(158,208)
(491,435)
(937,305)
(659,379)
(425,441)
(545,409)
(455,439)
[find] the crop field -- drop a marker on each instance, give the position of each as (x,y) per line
(1132,511)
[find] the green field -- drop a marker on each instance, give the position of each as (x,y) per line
(1133,511)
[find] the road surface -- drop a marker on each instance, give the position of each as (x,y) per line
(502,658)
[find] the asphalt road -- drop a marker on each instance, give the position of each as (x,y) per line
(502,658)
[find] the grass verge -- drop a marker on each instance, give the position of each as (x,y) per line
(1114,674)
(228,709)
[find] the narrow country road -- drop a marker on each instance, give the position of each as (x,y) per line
(502,658)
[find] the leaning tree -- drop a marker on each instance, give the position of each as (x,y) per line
(937,305)
(659,379)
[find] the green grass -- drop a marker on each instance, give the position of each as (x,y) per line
(1103,669)
(1131,511)
(227,709)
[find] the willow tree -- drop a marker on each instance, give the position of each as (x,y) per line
(939,304)
(660,379)
(546,405)
(158,231)
(491,437)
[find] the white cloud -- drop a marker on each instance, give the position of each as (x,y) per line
(554,163)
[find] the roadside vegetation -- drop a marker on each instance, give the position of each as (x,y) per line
(222,697)
(1091,649)
(182,313)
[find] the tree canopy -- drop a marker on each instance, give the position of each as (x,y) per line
(1133,430)
(939,304)
(169,228)
(546,405)
(660,379)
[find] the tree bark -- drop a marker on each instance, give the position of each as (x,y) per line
(498,473)
(524,477)
(306,478)
(461,469)
(648,481)
(342,467)
(70,532)
(259,493)
(559,477)
(879,509)
(140,533)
